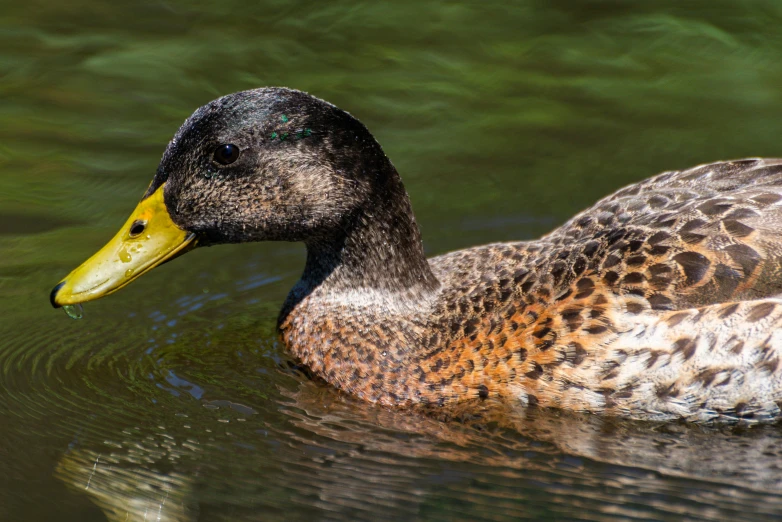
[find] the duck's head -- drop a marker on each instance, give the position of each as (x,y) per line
(266,164)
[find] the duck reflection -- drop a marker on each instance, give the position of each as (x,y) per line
(126,490)
(315,451)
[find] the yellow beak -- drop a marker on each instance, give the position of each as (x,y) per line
(147,239)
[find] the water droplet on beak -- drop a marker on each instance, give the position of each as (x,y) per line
(74,311)
(125,256)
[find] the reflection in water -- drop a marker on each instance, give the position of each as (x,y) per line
(347,460)
(129,492)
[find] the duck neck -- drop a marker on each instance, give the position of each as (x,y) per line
(377,250)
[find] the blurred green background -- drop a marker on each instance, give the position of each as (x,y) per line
(503,118)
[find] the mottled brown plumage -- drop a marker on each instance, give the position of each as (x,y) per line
(660,301)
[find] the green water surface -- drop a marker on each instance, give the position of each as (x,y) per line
(174,400)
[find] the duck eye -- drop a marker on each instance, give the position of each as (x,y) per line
(226,154)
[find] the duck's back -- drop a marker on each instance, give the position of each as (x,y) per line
(657,301)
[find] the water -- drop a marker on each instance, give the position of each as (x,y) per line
(173,398)
(74,311)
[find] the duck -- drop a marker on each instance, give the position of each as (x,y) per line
(659,302)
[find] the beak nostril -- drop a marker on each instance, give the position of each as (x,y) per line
(137,228)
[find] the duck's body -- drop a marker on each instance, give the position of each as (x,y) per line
(655,303)
(658,302)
